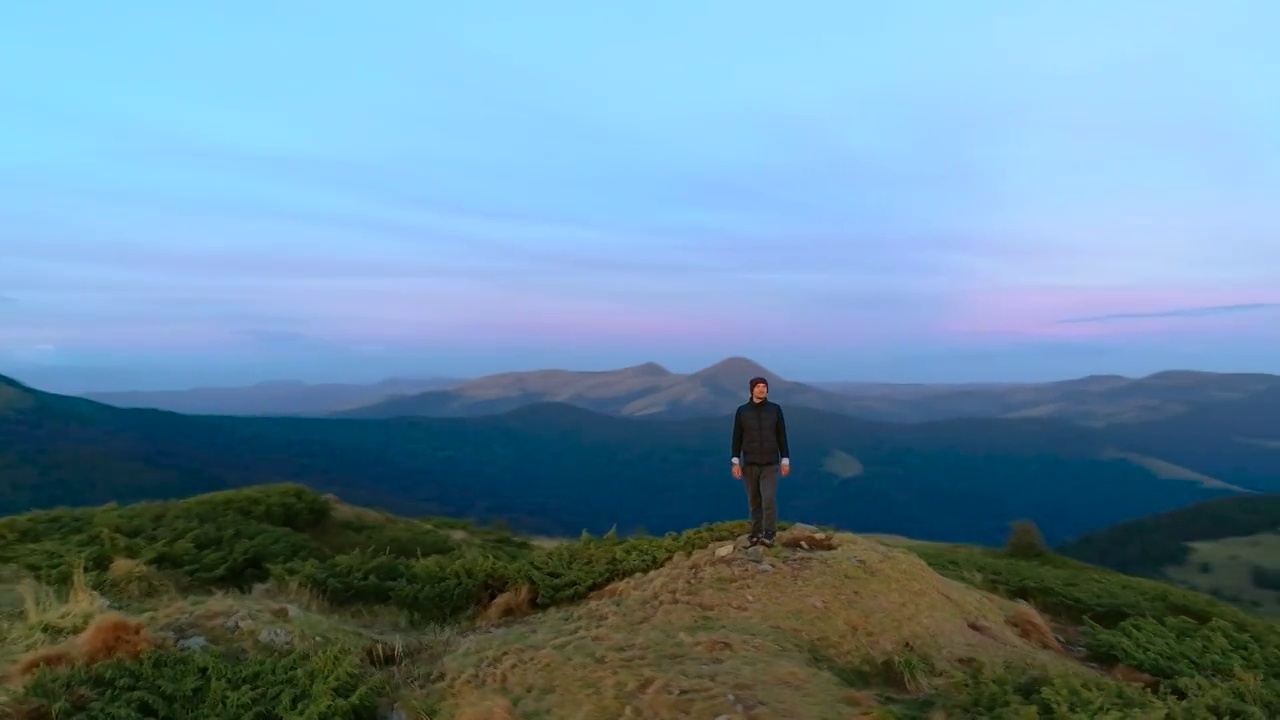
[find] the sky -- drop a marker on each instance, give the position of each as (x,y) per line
(233,192)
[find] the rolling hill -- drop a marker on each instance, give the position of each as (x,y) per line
(1229,547)
(286,397)
(1093,400)
(651,391)
(647,390)
(275,602)
(556,469)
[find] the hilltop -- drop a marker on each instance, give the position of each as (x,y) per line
(306,607)
(557,469)
(1228,547)
(647,390)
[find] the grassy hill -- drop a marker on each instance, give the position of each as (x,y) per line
(1228,547)
(556,469)
(275,602)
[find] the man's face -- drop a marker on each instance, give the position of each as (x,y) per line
(759,392)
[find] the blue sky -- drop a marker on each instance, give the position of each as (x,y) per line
(230,192)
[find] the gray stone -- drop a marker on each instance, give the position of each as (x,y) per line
(275,636)
(238,622)
(395,713)
(195,642)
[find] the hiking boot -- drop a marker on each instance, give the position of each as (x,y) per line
(752,540)
(768,539)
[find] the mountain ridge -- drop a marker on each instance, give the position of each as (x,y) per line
(651,390)
(559,469)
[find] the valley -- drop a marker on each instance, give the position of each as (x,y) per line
(556,469)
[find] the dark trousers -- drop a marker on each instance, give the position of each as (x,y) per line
(761,482)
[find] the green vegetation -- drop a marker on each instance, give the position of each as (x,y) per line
(1228,547)
(389,603)
(235,539)
(1147,545)
(1204,658)
(1025,541)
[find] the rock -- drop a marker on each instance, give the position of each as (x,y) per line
(238,622)
(724,550)
(275,636)
(286,610)
(804,528)
(195,642)
(764,567)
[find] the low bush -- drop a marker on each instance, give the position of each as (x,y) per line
(210,685)
(1199,657)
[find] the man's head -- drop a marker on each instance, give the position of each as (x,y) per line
(759,388)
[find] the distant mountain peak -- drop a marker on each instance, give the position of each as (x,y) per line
(736,369)
(649,369)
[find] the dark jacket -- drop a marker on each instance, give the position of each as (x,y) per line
(760,433)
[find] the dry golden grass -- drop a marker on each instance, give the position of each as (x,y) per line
(513,603)
(1032,628)
(36,616)
(108,636)
(486,708)
(742,636)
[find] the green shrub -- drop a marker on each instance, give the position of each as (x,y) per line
(1025,540)
(210,685)
(1208,658)
(229,539)
(451,587)
(1013,692)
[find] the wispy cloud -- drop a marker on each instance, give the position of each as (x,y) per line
(1191,312)
(7,299)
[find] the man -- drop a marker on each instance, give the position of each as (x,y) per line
(759,444)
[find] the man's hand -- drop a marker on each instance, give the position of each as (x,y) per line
(737,471)
(786,469)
